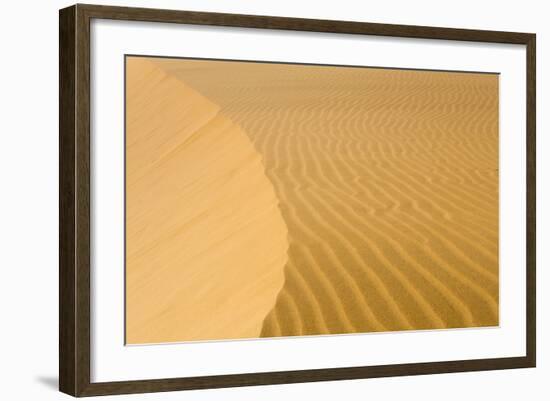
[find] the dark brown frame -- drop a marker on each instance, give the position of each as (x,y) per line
(74,199)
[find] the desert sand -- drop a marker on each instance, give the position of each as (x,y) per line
(198,205)
(370,197)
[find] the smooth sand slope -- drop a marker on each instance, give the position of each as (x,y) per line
(198,203)
(387,181)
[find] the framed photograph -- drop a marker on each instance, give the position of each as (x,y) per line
(250,200)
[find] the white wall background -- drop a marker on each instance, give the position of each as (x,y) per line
(29,182)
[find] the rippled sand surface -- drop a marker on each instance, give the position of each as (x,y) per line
(383,207)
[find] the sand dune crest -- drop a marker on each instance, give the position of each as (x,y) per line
(388,183)
(206,243)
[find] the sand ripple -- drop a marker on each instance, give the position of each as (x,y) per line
(387,182)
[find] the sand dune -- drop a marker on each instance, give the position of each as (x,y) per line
(198,202)
(387,181)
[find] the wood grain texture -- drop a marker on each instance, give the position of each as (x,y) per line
(302,24)
(74,123)
(74,188)
(67,290)
(531,202)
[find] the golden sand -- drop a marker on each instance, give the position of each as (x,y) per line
(387,182)
(198,263)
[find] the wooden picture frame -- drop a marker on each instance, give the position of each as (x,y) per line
(74,203)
